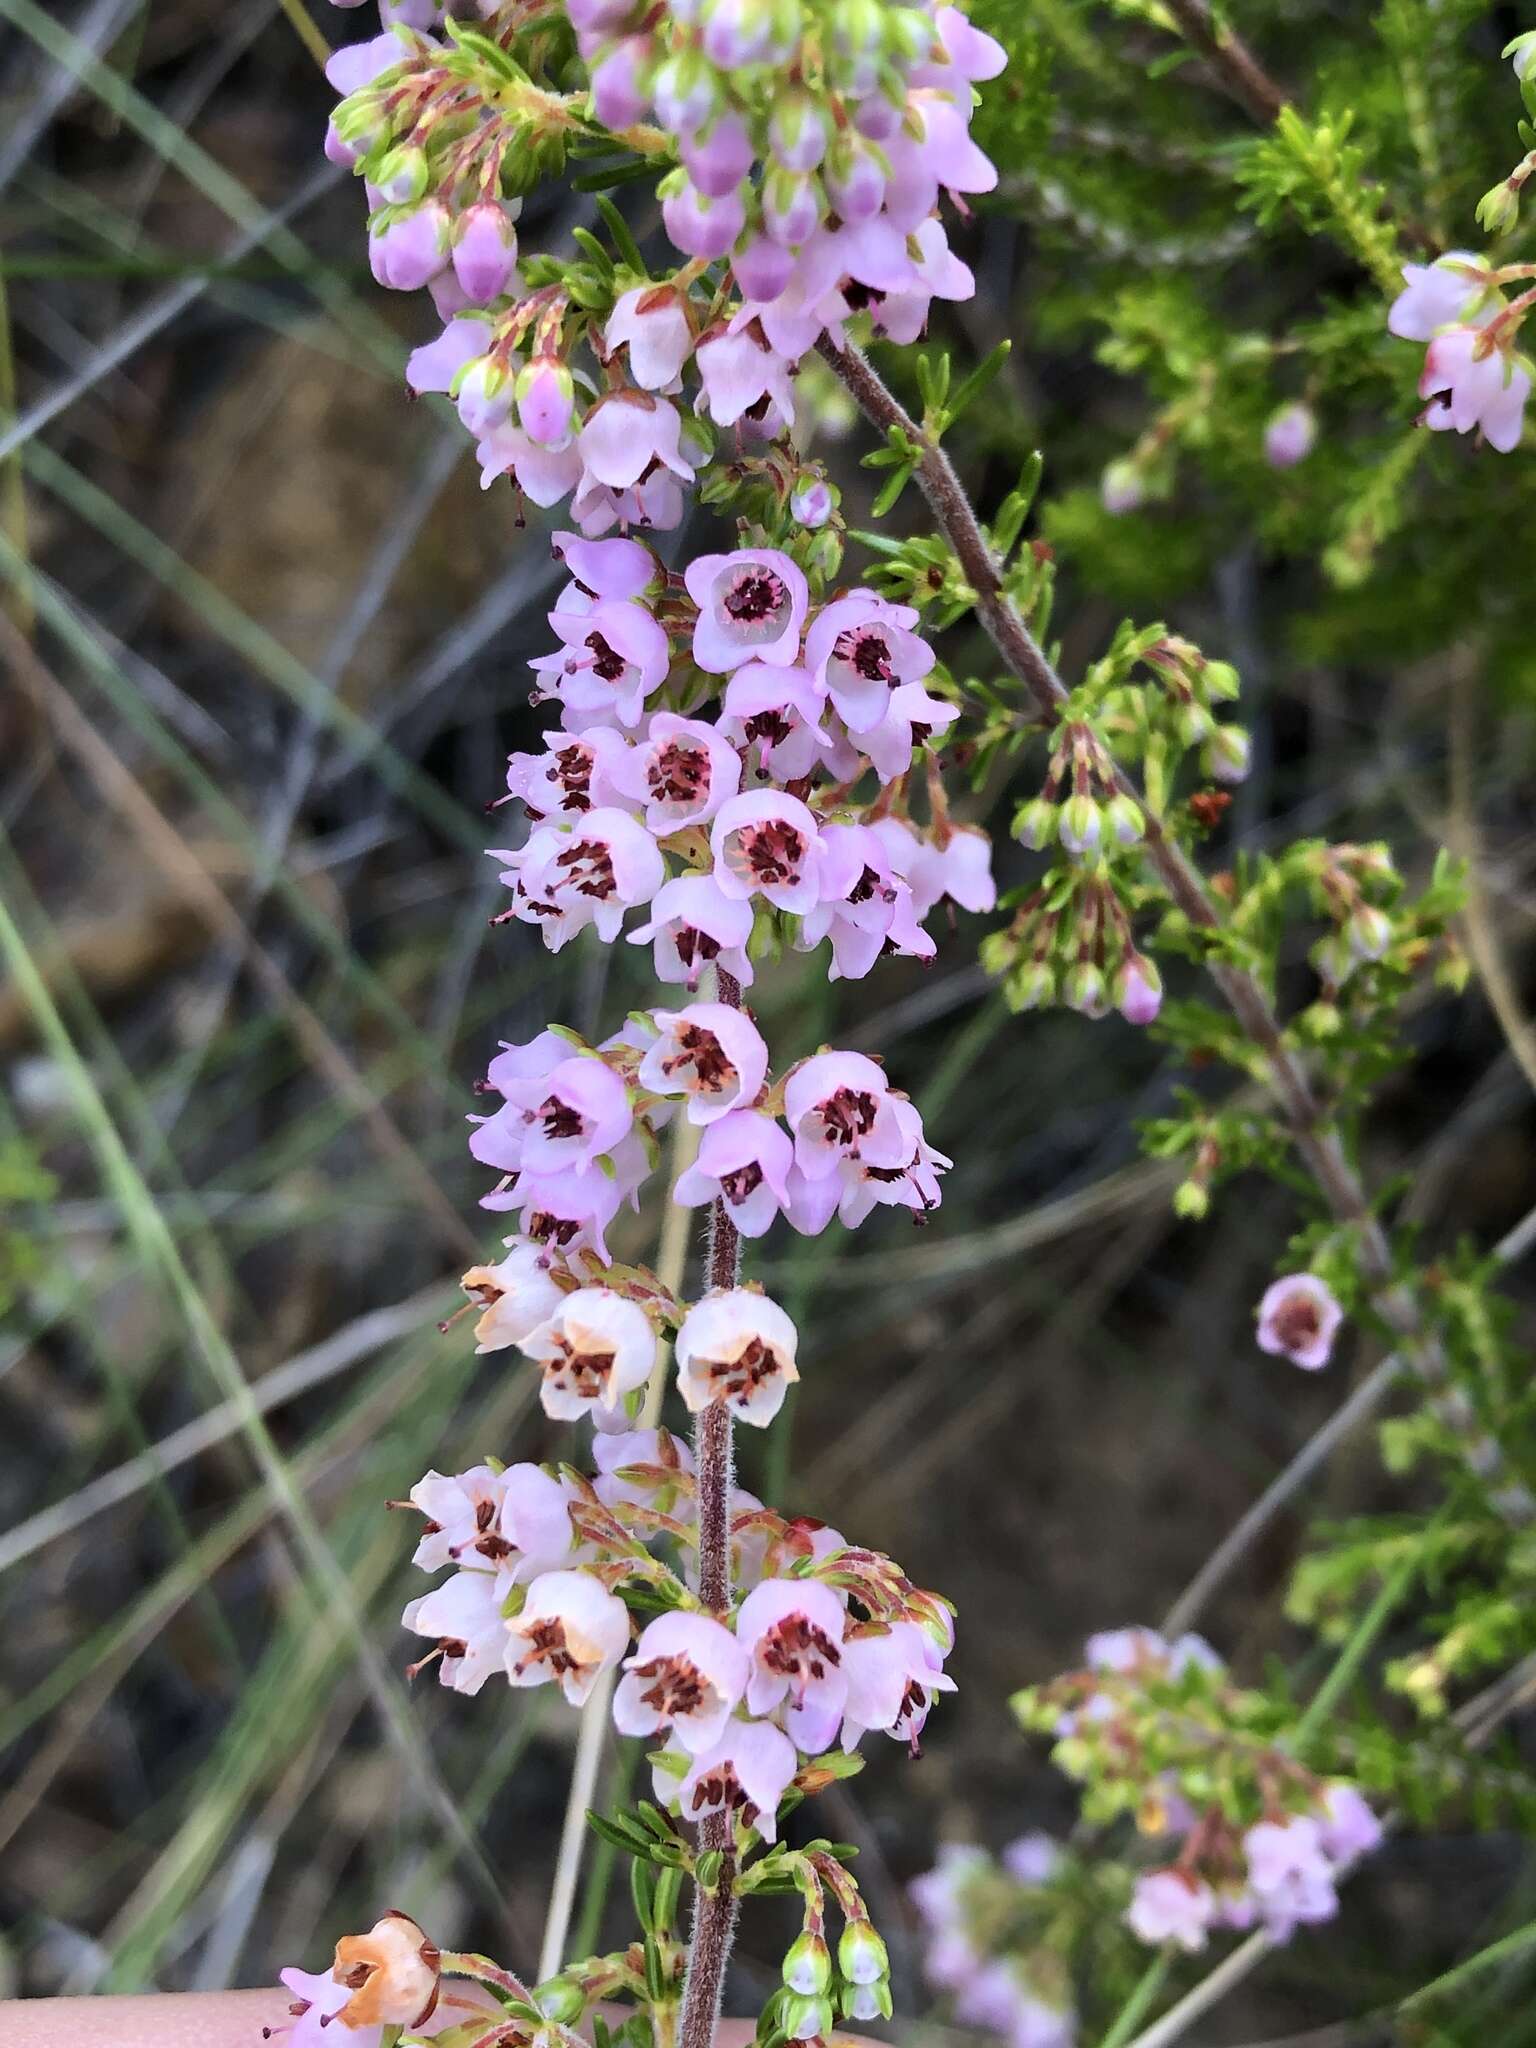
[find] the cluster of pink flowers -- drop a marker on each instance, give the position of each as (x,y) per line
(965,1901)
(754,807)
(823,1643)
(1474,378)
(819,201)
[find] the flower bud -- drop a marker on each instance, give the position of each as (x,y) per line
(484,251)
(792,207)
(1194,724)
(862,1955)
(686,91)
(1083,989)
(1125,822)
(1369,932)
(560,2000)
(1289,435)
(867,2001)
(797,131)
(1138,991)
(545,397)
(804,2018)
(1034,824)
(482,391)
(1228,753)
(1121,488)
(808,1965)
(811,501)
(1032,987)
(1080,826)
(402,176)
(1191,1201)
(1499,208)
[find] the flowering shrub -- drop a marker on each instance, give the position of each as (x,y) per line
(752,752)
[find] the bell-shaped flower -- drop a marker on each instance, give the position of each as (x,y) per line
(575,1114)
(574,774)
(682,772)
(911,714)
(839,1108)
(752,604)
(865,905)
(535,1523)
(627,431)
(642,1468)
(700,224)
(743,1161)
(1290,1874)
(775,713)
(615,656)
(652,323)
(562,881)
(692,923)
(514,1297)
(1171,1906)
(738,370)
(411,247)
(792,1629)
(864,1183)
(767,843)
(435,366)
(1453,291)
(570,1631)
(1473,386)
(746,1774)
(709,1053)
(461,1511)
(858,649)
(892,1676)
(393,1974)
(1347,1828)
(1299,1316)
(608,568)
(687,1674)
(738,1347)
(565,1211)
(597,1347)
(463,1616)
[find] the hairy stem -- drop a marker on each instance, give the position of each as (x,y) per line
(1314,1135)
(1241,75)
(714,1911)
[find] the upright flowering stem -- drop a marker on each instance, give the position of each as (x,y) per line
(714,1917)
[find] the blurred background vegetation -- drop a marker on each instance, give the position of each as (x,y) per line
(263,652)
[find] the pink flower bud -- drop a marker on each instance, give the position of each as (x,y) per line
(484,251)
(546,397)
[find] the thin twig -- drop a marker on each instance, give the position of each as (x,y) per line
(1313,1134)
(1241,76)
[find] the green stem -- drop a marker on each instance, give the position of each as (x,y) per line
(1140,2002)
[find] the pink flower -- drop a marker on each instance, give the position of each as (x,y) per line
(1138,991)
(743,1161)
(792,1629)
(839,1108)
(864,1183)
(575,772)
(595,1348)
(937,273)
(746,1773)
(1298,1318)
(625,433)
(608,568)
(563,1211)
(1289,435)
(1474,387)
(412,247)
(892,1675)
(737,1346)
(618,82)
(484,251)
(692,923)
(1033,1859)
(718,156)
(435,365)
(859,648)
(776,713)
(570,1631)
(738,370)
(1289,1874)
(959,867)
(546,401)
(574,1114)
(767,843)
(543,475)
(1452,291)
(535,1524)
(562,881)
(682,771)
(642,1467)
(700,224)
(615,656)
(751,604)
(710,1053)
(463,1616)
(865,906)
(514,1297)
(910,715)
(652,323)
(1347,1827)
(459,1511)
(688,1673)
(1169,1906)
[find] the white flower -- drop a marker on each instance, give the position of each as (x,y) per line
(597,1347)
(737,1346)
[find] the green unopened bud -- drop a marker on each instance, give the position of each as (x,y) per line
(560,2000)
(1083,989)
(808,1965)
(1191,1201)
(866,2001)
(1228,752)
(804,2018)
(1369,932)
(1125,822)
(1080,826)
(1499,208)
(1194,724)
(1032,987)
(1221,680)
(402,176)
(908,35)
(862,1955)
(1034,823)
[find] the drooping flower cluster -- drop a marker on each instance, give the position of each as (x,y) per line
(981,1916)
(748,819)
(1158,1729)
(1473,377)
(823,1642)
(808,192)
